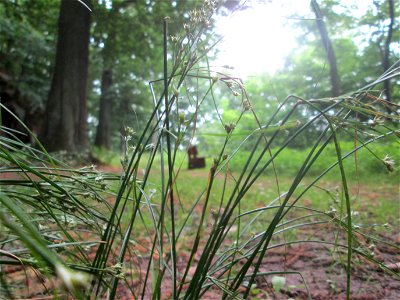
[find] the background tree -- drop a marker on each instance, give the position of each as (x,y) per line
(66,114)
(125,46)
(382,21)
(307,73)
(108,55)
(125,42)
(26,58)
(355,40)
(330,53)
(103,133)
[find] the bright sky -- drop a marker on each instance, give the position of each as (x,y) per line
(257,39)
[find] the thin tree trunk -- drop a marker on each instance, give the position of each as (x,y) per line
(64,125)
(103,129)
(386,51)
(334,76)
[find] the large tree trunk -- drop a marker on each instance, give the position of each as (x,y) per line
(386,51)
(103,129)
(66,113)
(334,75)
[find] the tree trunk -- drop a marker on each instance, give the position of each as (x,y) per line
(386,51)
(64,125)
(334,76)
(103,129)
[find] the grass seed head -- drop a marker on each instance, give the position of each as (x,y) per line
(389,163)
(229,127)
(74,281)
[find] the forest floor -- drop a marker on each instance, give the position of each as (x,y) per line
(313,266)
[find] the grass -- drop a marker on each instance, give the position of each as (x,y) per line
(375,203)
(368,196)
(360,165)
(158,230)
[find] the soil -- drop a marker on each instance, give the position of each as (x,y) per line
(322,268)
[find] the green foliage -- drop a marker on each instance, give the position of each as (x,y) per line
(27,44)
(361,165)
(127,38)
(357,42)
(106,156)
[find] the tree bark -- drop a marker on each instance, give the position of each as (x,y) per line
(386,51)
(103,129)
(65,120)
(334,75)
